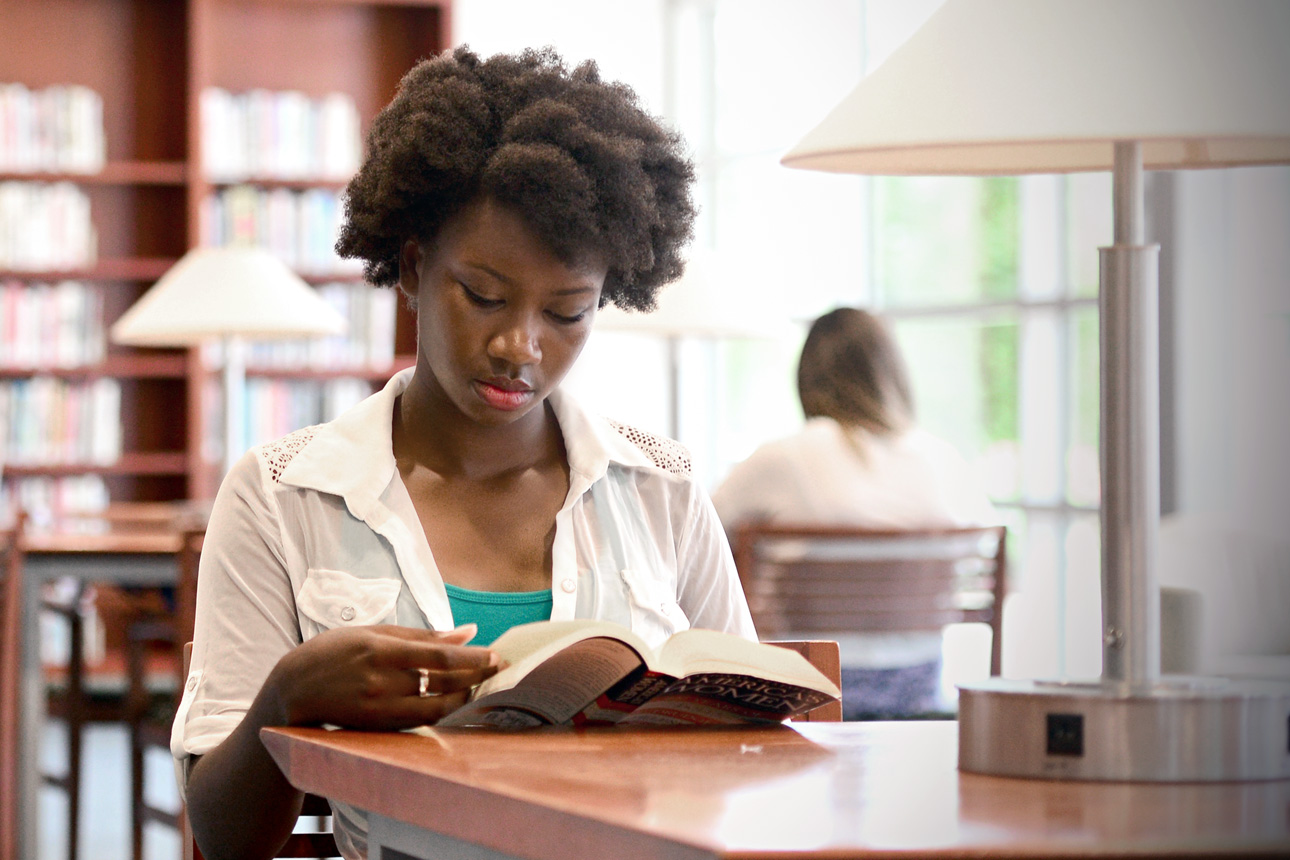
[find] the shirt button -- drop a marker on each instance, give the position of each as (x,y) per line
(347,614)
(192,683)
(568,586)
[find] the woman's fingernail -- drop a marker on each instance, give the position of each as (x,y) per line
(470,628)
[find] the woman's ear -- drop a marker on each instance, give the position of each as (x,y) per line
(410,270)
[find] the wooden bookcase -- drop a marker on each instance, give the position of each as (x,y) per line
(150,60)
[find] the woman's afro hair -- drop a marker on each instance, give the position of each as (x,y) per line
(577,157)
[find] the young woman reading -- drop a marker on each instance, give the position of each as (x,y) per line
(354,572)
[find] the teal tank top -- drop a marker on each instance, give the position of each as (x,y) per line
(495,612)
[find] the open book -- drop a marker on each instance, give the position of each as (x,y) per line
(595,673)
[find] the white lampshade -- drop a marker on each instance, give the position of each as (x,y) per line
(213,293)
(1046,86)
(231,295)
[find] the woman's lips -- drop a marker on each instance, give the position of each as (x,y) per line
(503,394)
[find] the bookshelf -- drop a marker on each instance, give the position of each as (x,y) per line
(150,63)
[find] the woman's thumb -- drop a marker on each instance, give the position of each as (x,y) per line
(459,635)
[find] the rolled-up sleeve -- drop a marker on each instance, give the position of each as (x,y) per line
(246,618)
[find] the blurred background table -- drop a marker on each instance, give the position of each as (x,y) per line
(137,546)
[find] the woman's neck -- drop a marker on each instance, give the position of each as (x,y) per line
(430,433)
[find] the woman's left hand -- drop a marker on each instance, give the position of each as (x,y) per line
(380,677)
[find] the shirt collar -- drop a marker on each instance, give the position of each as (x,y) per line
(591,443)
(353,455)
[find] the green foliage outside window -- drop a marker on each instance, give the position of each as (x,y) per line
(999,382)
(1000,237)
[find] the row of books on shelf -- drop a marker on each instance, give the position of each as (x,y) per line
(299,227)
(45,226)
(43,497)
(57,129)
(46,325)
(272,408)
(265,134)
(48,421)
(259,134)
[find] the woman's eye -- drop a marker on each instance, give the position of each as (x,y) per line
(482,301)
(567,319)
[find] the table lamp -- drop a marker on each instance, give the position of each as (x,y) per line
(1017,86)
(230,295)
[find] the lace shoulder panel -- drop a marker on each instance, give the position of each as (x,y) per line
(666,453)
(278,453)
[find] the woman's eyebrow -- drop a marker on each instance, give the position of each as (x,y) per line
(576,290)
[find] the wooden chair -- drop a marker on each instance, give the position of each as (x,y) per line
(150,717)
(74,702)
(816,579)
(11,581)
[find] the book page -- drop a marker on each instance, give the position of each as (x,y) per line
(526,646)
(552,692)
(697,651)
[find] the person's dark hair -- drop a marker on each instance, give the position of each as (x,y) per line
(851,370)
(584,165)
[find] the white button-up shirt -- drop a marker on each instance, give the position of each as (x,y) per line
(317,531)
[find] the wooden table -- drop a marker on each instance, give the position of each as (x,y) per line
(817,790)
(138,552)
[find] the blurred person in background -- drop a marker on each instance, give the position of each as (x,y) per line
(861,460)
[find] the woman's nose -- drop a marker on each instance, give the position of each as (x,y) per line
(516,344)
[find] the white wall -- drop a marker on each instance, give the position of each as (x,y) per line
(1232,375)
(1230,536)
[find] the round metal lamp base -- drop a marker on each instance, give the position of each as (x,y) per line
(1180,729)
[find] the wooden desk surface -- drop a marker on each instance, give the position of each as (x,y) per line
(822,790)
(111,541)
(137,528)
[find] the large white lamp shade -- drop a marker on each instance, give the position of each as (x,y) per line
(1026,86)
(230,295)
(1015,86)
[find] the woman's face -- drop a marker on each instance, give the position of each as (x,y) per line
(500,319)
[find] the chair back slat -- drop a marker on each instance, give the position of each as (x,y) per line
(805,579)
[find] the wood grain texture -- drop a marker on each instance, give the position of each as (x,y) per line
(818,790)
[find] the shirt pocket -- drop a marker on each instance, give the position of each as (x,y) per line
(334,598)
(655,612)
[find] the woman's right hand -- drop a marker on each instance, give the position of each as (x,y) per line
(370,677)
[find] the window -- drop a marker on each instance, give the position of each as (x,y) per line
(987,283)
(991,283)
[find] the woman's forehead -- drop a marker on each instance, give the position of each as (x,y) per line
(487,228)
